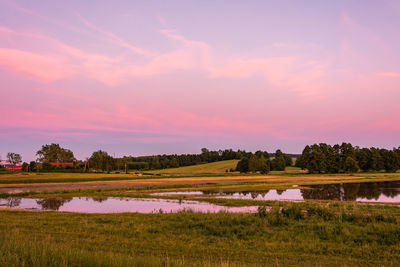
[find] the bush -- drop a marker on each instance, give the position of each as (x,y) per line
(325,214)
(262,211)
(294,212)
(275,217)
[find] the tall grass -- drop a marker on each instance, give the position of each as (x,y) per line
(293,235)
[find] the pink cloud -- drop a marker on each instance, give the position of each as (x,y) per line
(298,74)
(46,68)
(284,72)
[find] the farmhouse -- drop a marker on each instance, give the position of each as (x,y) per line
(8,165)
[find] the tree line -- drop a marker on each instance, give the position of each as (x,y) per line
(344,158)
(102,161)
(316,158)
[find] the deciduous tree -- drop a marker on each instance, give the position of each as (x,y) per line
(243,165)
(14,158)
(55,153)
(350,165)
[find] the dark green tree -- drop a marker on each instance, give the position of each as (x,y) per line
(332,155)
(100,160)
(304,158)
(364,159)
(32,166)
(279,162)
(25,167)
(316,160)
(253,163)
(243,165)
(346,150)
(376,160)
(155,163)
(288,160)
(264,165)
(390,160)
(351,165)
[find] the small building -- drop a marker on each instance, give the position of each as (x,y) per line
(8,165)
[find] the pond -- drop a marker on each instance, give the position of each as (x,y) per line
(383,192)
(116,205)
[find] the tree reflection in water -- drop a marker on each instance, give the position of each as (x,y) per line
(343,192)
(13,202)
(280,191)
(98,198)
(52,203)
(252,194)
(352,191)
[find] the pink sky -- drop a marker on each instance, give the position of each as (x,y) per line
(173,76)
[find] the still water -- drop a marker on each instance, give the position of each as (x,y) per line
(116,205)
(385,192)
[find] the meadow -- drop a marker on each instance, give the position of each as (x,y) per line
(218,167)
(300,235)
(309,233)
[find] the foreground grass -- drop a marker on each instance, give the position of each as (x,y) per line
(305,234)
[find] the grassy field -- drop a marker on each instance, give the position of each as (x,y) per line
(122,186)
(312,233)
(208,168)
(303,234)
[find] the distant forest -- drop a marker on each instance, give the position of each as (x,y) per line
(100,160)
(323,158)
(206,156)
(317,158)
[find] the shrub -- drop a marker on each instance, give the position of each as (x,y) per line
(262,211)
(323,213)
(275,217)
(294,212)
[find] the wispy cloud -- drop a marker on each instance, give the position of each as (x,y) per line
(116,39)
(46,68)
(388,74)
(187,54)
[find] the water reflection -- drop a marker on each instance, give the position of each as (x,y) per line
(379,191)
(280,191)
(388,192)
(99,199)
(52,203)
(288,195)
(13,202)
(115,205)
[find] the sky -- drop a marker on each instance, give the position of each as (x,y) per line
(152,77)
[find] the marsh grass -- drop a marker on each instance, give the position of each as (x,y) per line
(300,234)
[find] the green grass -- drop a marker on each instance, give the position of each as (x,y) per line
(315,233)
(305,234)
(70,179)
(214,167)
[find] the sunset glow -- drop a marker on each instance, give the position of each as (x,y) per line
(151,77)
